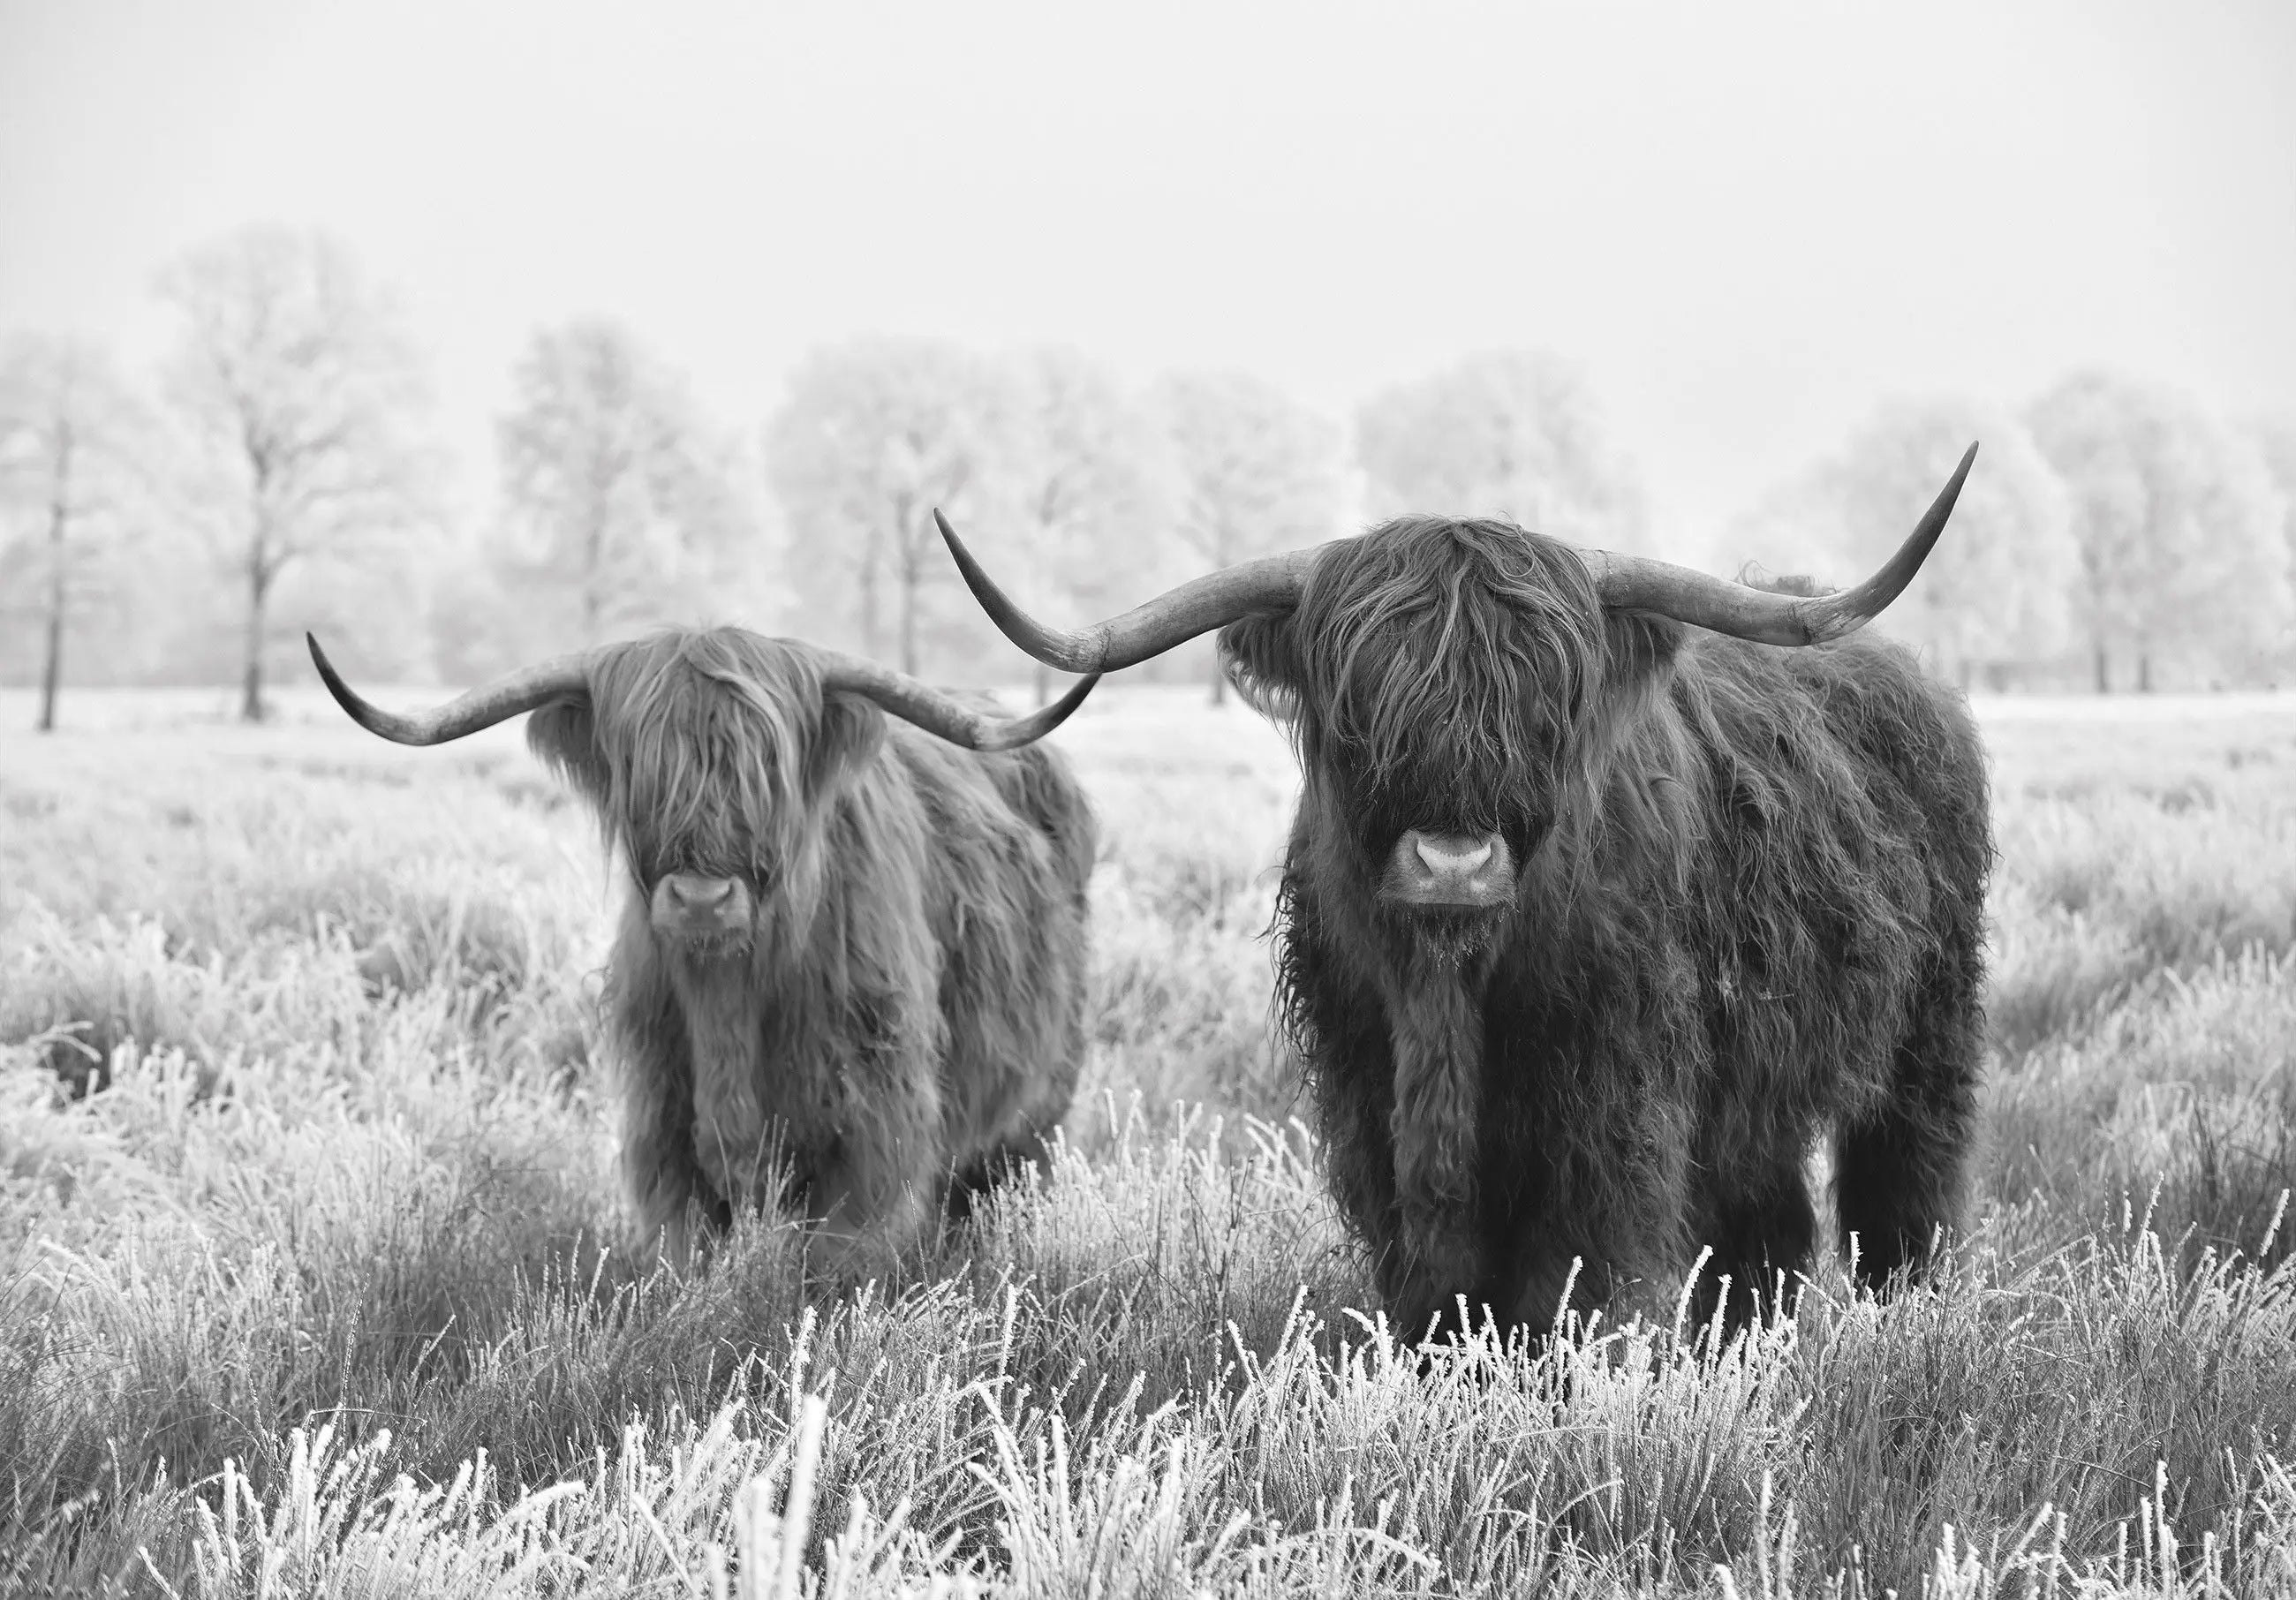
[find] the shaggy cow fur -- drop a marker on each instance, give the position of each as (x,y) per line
(1748,909)
(901,1003)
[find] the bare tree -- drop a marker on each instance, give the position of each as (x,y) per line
(607,464)
(1998,587)
(1097,491)
(2177,519)
(68,470)
(298,386)
(2275,442)
(1513,434)
(1257,472)
(875,434)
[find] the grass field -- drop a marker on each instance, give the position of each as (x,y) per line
(329,1290)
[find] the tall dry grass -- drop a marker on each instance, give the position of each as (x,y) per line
(328,1290)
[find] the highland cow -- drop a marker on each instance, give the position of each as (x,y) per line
(846,940)
(1601,908)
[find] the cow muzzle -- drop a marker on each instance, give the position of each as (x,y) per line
(1450,871)
(690,908)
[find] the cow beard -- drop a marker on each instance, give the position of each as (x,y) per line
(1437,1034)
(723,1033)
(700,952)
(1448,945)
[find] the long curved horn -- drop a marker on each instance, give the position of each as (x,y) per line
(1637,583)
(1272,583)
(563,677)
(938,713)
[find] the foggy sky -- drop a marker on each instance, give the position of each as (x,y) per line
(1749,223)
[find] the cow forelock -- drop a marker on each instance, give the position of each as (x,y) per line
(1446,675)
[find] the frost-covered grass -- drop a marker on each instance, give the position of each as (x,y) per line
(328,1290)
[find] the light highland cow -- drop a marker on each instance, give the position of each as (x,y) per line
(844,937)
(1600,907)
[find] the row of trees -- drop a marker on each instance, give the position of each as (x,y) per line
(289,433)
(1088,496)
(2110,520)
(283,474)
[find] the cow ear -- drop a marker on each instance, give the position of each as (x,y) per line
(564,735)
(1640,652)
(852,732)
(1263,663)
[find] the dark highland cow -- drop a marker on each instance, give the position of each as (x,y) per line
(844,937)
(1600,908)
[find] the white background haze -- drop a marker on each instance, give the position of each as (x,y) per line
(1751,223)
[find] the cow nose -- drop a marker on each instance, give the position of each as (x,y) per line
(1446,857)
(1456,870)
(700,894)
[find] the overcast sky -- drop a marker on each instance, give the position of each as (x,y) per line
(1750,223)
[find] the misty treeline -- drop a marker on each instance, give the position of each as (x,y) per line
(282,470)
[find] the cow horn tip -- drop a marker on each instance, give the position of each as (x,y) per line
(1061,708)
(1029,729)
(327,673)
(956,547)
(975,574)
(354,704)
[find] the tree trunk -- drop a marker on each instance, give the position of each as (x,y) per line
(873,643)
(1044,685)
(594,561)
(2103,677)
(2144,672)
(880,562)
(51,664)
(909,578)
(258,593)
(1219,677)
(53,667)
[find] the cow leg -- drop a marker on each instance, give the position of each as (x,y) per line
(1622,1271)
(1761,1237)
(1023,1152)
(670,1194)
(858,1236)
(1590,1175)
(877,1192)
(1359,1171)
(1352,1090)
(1898,1175)
(1354,1104)
(670,1191)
